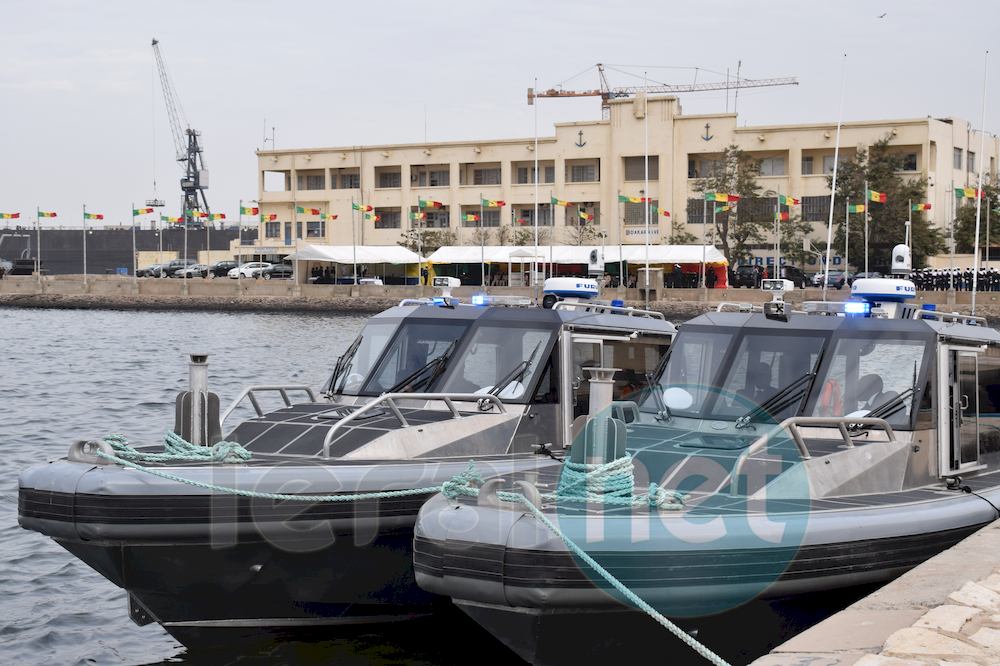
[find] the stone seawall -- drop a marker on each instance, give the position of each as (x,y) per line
(223,294)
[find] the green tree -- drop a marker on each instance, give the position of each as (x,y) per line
(749,223)
(882,170)
(426,241)
(481,236)
(526,236)
(794,238)
(679,235)
(965,221)
(581,232)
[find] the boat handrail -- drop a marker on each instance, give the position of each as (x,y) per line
(792,425)
(281,389)
(602,307)
(738,307)
(952,317)
(389,400)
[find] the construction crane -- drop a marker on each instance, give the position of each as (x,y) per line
(608,93)
(194,182)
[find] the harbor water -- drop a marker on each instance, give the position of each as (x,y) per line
(75,374)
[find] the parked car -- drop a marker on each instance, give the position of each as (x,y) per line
(862,275)
(796,275)
(193,271)
(839,279)
(275,272)
(147,271)
(222,268)
(248,269)
(167,269)
(745,275)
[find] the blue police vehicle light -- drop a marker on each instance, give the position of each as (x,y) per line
(618,303)
(857,308)
(480,299)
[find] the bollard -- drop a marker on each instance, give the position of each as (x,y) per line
(198,387)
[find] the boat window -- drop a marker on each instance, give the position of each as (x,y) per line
(989,405)
(500,359)
(695,358)
(415,347)
(353,367)
(866,373)
(765,365)
(634,359)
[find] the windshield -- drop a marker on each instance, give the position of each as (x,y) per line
(511,356)
(353,367)
(693,364)
(866,373)
(719,383)
(413,348)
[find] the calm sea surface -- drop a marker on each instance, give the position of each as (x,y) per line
(67,375)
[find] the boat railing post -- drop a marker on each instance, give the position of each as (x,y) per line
(198,391)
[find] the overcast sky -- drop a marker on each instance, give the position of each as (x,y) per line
(83,117)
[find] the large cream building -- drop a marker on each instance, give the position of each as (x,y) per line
(589,163)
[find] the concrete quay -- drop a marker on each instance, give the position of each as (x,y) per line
(224,294)
(945,612)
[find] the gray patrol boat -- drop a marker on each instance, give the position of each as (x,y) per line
(207,550)
(810,452)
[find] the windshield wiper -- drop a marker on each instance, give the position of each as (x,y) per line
(344,362)
(779,401)
(517,373)
(436,364)
(887,408)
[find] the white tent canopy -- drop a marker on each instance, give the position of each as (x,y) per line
(575,254)
(366,254)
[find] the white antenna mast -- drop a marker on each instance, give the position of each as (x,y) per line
(979,187)
(833,184)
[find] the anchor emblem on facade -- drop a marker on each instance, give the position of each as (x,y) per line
(706,136)
(580,143)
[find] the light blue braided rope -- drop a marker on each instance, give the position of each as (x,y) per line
(177,449)
(611,483)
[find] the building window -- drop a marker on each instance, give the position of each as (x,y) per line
(956,159)
(526,175)
(971,161)
(390,179)
(422,176)
(696,209)
(350,181)
(772,166)
(272,229)
(909,162)
(489,218)
(807,165)
(828,162)
(635,167)
(316,229)
(486,176)
(387,219)
(437,219)
(526,216)
(635,214)
(583,172)
(815,209)
(311,182)
(704,168)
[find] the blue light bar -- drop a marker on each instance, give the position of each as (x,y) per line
(480,299)
(618,303)
(857,308)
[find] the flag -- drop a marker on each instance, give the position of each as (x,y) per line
(493,203)
(327,216)
(856,208)
(198,215)
(217,216)
(967,192)
(559,202)
(268,218)
(167,218)
(429,203)
(624,199)
(585,216)
(663,211)
(721,196)
(781,216)
(362,207)
(522,221)
(10,216)
(93,216)
(877,197)
(920,206)
(46,213)
(470,217)
(247,210)
(417,215)
(788,201)
(372,216)
(141,211)
(306,211)
(722,209)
